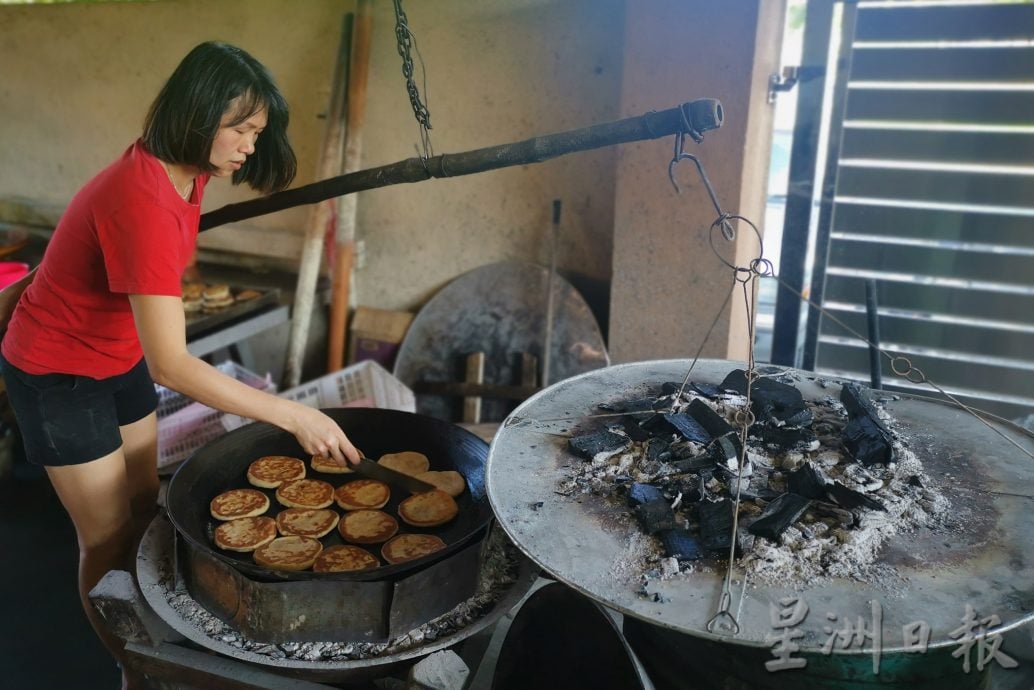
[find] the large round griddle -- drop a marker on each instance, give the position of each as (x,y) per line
(223,463)
(499,309)
(986,560)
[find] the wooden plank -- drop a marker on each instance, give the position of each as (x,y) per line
(945,23)
(996,189)
(193,669)
(990,228)
(957,302)
(969,107)
(529,369)
(1012,64)
(982,342)
(475,374)
(988,148)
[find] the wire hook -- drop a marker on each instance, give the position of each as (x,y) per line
(680,155)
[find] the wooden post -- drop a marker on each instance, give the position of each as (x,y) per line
(475,374)
(344,245)
(319,216)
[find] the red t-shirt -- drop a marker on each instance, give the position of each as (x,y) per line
(126,232)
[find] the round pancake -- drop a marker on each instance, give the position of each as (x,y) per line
(215,292)
(245,534)
(306,522)
(305,493)
(408,462)
(428,509)
(271,471)
(449,481)
(289,553)
(238,503)
(406,547)
(342,558)
(245,295)
(367,527)
(193,291)
(321,463)
(191,306)
(362,494)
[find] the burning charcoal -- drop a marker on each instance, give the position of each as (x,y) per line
(778,515)
(713,422)
(914,480)
(643,493)
(655,448)
(688,427)
(633,430)
(589,446)
(845,517)
(865,437)
(708,390)
(716,524)
(771,400)
(807,481)
(783,438)
(681,544)
(637,405)
(692,489)
(725,453)
(849,498)
(655,515)
(693,464)
(673,387)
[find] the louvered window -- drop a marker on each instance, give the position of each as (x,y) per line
(934,199)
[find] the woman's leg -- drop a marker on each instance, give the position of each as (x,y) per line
(96,496)
(140,447)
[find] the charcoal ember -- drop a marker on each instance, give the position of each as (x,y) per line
(655,515)
(778,515)
(692,488)
(688,427)
(758,487)
(848,498)
(713,422)
(673,388)
(725,453)
(865,436)
(643,493)
(634,430)
(693,464)
(708,390)
(771,400)
(656,447)
(680,543)
(716,519)
(637,405)
(915,480)
(830,510)
(589,446)
(785,438)
(808,481)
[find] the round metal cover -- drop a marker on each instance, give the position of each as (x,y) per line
(499,309)
(986,563)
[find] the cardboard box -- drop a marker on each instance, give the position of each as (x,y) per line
(376,335)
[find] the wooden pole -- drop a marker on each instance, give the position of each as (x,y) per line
(319,216)
(344,245)
(692,118)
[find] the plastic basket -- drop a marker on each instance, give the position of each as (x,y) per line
(366,384)
(185,425)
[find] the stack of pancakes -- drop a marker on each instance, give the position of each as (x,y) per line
(308,514)
(199,297)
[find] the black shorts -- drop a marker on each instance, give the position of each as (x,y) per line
(66,419)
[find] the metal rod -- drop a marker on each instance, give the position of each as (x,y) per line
(693,117)
(872,312)
(547,347)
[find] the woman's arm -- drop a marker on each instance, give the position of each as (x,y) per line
(162,329)
(10,295)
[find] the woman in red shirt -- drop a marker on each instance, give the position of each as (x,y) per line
(102,316)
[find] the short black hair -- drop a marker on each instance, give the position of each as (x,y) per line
(185,117)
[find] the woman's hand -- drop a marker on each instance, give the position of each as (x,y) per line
(318,434)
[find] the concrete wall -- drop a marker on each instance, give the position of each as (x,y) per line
(76,80)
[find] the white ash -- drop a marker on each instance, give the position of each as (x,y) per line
(499,567)
(824,543)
